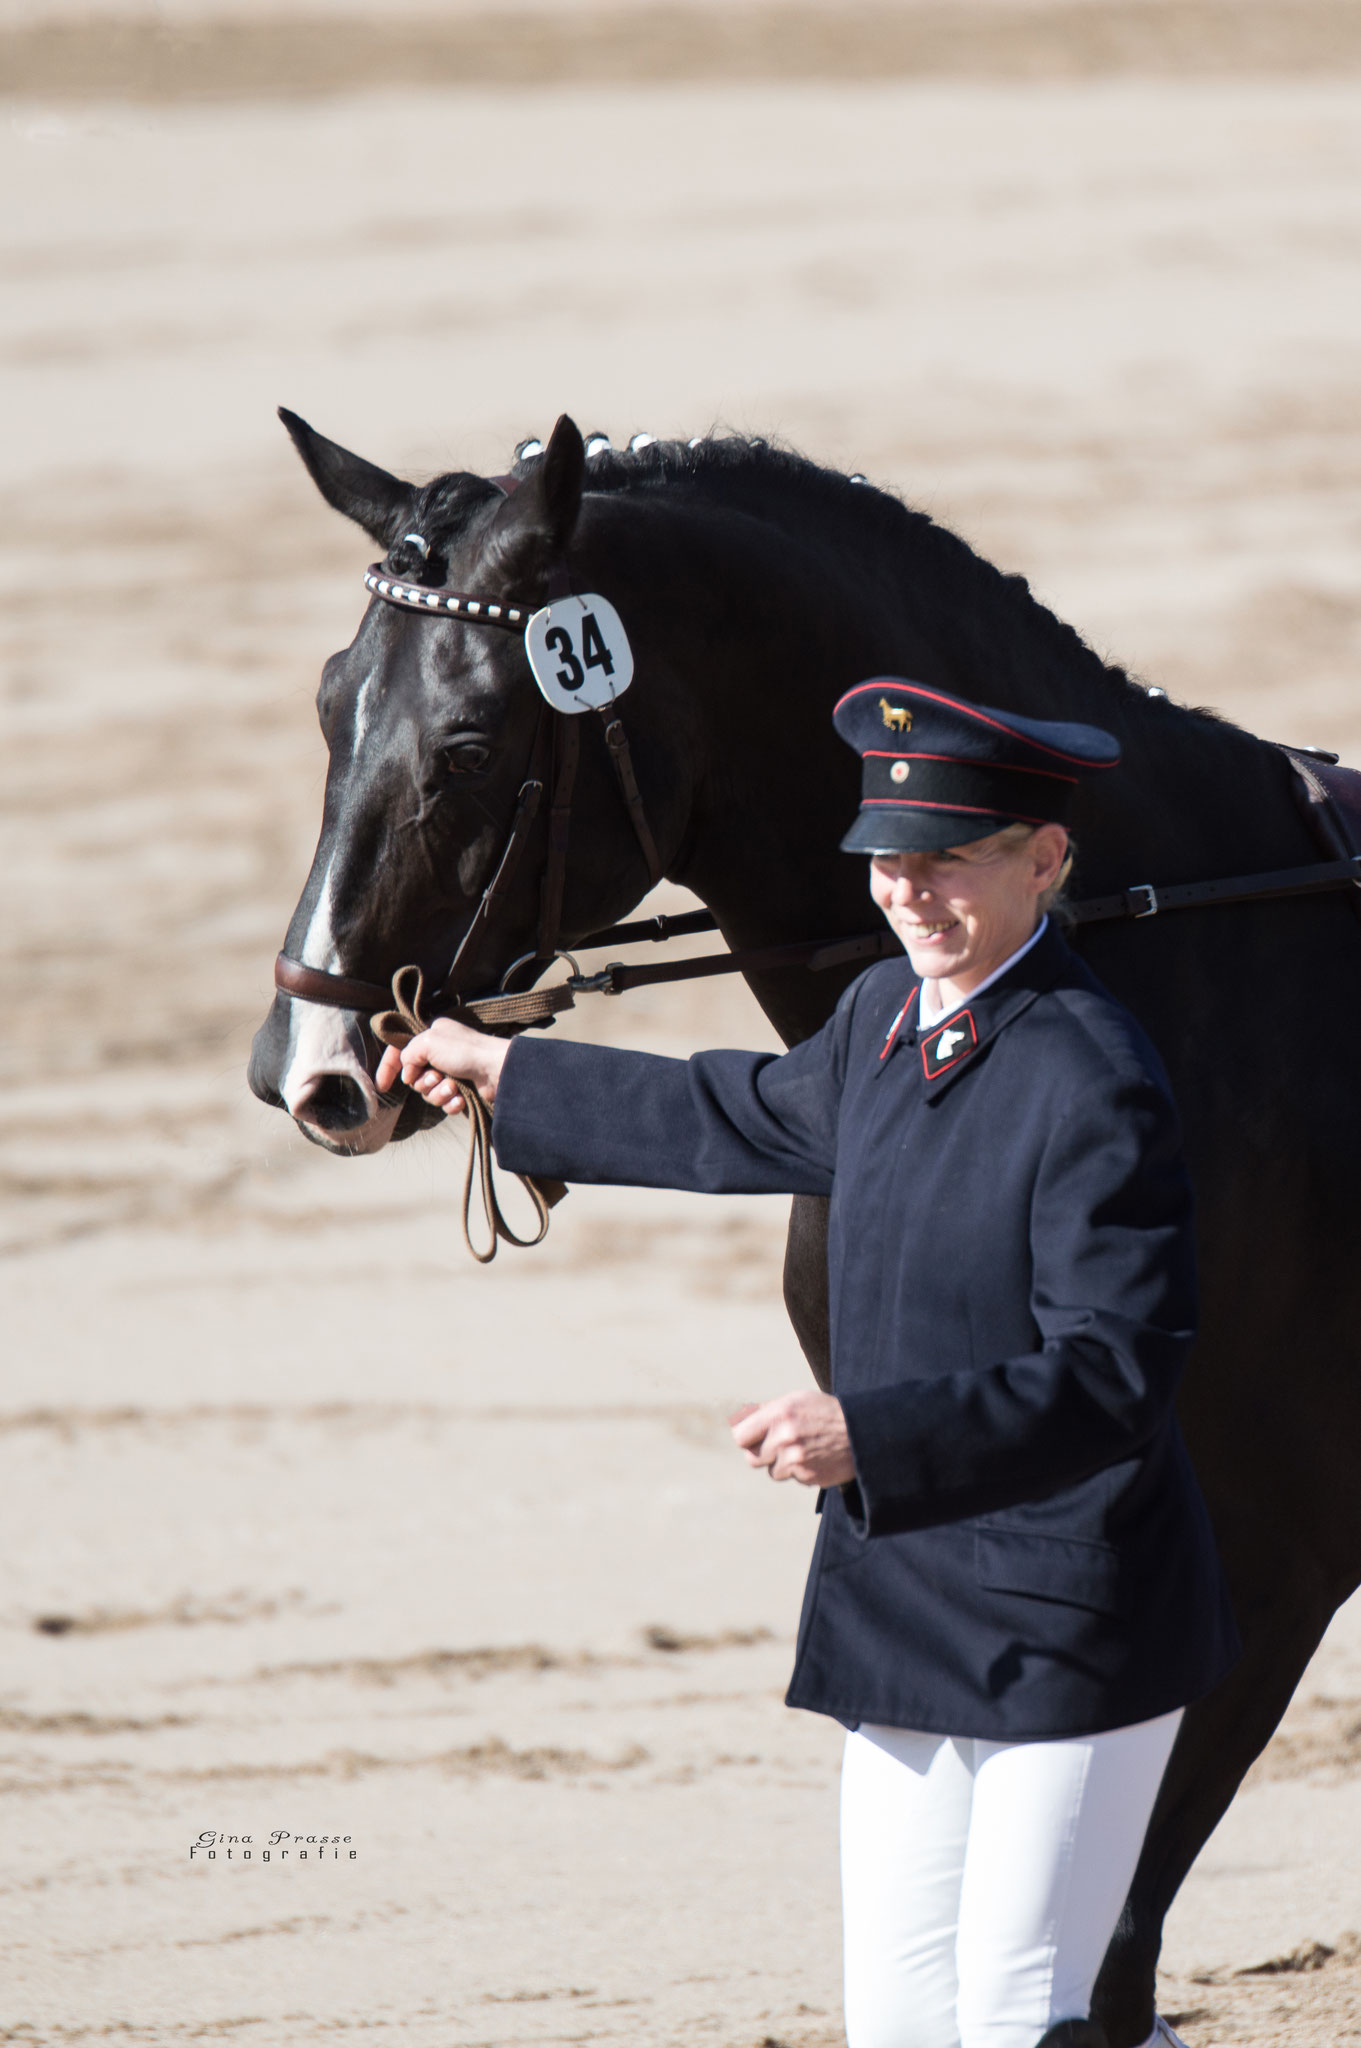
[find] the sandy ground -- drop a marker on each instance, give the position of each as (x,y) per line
(308,1524)
(227,49)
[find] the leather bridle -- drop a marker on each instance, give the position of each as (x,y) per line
(554,757)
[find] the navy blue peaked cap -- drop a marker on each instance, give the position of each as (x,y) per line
(940,772)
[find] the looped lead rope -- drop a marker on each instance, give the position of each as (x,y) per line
(398,1026)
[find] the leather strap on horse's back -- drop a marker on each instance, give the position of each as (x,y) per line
(1145,899)
(1329,795)
(1343,787)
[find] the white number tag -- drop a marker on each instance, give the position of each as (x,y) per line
(579,653)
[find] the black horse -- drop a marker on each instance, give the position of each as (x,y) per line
(757,587)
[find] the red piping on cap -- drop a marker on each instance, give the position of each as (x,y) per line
(953,704)
(917,803)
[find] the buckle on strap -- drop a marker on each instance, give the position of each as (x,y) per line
(600,984)
(1146,890)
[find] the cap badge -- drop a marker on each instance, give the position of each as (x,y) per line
(953,1042)
(898,772)
(896,717)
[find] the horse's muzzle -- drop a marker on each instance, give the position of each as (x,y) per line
(334,1103)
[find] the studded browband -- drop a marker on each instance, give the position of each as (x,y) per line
(513,618)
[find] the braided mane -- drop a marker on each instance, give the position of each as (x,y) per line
(991,615)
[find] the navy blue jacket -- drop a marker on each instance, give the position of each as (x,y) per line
(1024,1550)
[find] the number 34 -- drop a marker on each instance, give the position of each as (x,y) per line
(579,653)
(594,652)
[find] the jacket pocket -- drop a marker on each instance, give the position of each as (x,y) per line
(1064,1568)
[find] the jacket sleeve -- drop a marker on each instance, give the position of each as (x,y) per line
(1113,1297)
(721,1123)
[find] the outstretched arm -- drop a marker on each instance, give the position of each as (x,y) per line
(720,1123)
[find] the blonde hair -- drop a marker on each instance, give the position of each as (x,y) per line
(1054,897)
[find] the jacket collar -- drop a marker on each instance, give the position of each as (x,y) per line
(953,1044)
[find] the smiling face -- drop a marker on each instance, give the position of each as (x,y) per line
(961,912)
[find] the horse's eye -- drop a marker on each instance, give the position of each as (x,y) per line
(466,757)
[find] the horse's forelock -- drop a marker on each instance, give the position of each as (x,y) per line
(443,511)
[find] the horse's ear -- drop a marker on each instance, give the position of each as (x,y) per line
(380,503)
(534,527)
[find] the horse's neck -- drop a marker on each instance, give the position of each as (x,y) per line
(799,617)
(773,787)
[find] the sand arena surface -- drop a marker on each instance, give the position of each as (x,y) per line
(307,1527)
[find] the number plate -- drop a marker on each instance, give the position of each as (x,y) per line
(579,653)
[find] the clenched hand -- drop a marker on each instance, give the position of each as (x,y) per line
(800,1436)
(436,1060)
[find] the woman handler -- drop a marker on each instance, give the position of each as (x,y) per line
(1014,1590)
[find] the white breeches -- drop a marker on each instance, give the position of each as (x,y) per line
(981,1881)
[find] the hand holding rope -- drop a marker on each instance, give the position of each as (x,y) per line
(397,1027)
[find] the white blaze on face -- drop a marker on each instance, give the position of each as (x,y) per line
(323,1041)
(361,716)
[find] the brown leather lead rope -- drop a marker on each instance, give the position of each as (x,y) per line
(398,1026)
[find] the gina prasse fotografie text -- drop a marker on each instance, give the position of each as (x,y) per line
(302,1848)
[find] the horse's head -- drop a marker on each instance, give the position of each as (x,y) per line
(431,724)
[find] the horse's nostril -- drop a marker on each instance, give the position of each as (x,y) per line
(335,1103)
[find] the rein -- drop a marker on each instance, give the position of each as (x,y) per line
(398,1026)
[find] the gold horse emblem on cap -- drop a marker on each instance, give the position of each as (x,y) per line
(896,717)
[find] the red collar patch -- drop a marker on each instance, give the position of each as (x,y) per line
(949,1043)
(896,1026)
